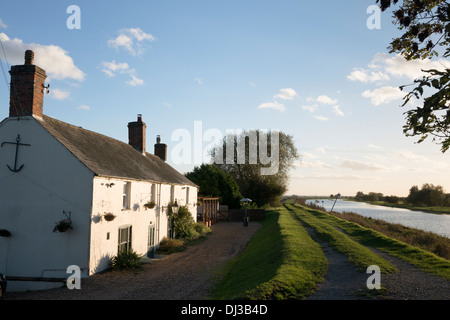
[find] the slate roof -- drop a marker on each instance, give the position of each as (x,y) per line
(106,156)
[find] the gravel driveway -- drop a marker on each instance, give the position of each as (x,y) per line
(188,275)
(185,275)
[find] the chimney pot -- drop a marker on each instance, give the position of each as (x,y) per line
(29,57)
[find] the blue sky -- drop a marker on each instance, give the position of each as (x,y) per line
(312,69)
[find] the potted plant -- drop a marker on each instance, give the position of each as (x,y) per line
(64,224)
(150,205)
(109,216)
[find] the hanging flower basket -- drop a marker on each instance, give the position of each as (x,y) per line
(150,205)
(5,233)
(63,225)
(109,216)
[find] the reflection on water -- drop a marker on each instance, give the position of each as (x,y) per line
(436,223)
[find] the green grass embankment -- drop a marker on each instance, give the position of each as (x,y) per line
(359,255)
(280,262)
(422,259)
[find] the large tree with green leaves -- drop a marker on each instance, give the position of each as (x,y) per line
(214,182)
(426,34)
(259,161)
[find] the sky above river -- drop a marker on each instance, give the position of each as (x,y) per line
(317,70)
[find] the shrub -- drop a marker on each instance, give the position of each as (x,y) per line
(126,260)
(202,229)
(171,246)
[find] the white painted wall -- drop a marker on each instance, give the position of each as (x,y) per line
(33,200)
(108,197)
(53,180)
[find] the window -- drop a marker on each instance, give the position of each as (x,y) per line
(124,239)
(187,195)
(152,192)
(151,241)
(172,193)
(126,195)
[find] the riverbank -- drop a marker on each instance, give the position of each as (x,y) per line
(433,210)
(261,271)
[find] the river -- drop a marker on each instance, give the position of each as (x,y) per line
(436,223)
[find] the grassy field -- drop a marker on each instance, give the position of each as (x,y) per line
(282,261)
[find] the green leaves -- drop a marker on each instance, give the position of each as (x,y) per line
(426,25)
(433,117)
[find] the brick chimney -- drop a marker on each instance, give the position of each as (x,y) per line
(160,149)
(27,88)
(136,134)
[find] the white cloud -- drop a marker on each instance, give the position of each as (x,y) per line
(2,24)
(135,81)
(326,100)
(383,95)
(198,80)
(84,107)
(284,94)
(272,105)
(310,108)
(287,94)
(360,166)
(373,146)
(367,76)
(112,68)
(140,35)
(132,40)
(308,155)
(322,150)
(316,164)
(400,67)
(53,59)
(331,176)
(338,111)
(321,118)
(59,94)
(382,66)
(409,155)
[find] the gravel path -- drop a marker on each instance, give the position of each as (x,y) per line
(344,282)
(189,275)
(185,275)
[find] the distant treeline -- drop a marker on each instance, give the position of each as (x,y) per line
(429,195)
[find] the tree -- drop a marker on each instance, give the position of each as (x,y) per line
(214,182)
(259,162)
(426,27)
(428,195)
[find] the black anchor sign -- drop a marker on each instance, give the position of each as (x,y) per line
(17,143)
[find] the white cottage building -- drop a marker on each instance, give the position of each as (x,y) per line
(51,171)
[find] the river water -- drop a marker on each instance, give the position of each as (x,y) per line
(436,223)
